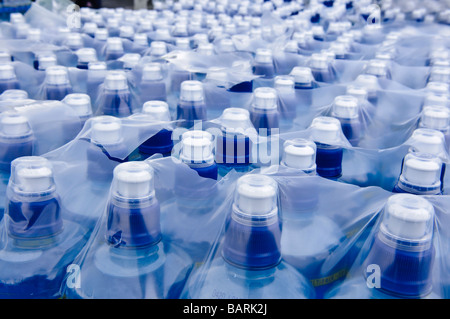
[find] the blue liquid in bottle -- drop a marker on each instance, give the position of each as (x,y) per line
(287,101)
(247,263)
(191,106)
(322,69)
(8,80)
(264,110)
(264,67)
(152,86)
(114,49)
(95,77)
(346,109)
(57,84)
(85,56)
(35,256)
(131,258)
(115,99)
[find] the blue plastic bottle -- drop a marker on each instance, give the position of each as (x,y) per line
(287,101)
(85,56)
(115,99)
(8,79)
(114,49)
(234,146)
(420,175)
(129,61)
(247,262)
(152,86)
(264,112)
(263,66)
(130,258)
(322,68)
(197,152)
(370,83)
(38,243)
(126,32)
(325,133)
(378,68)
(346,109)
(74,41)
(157,50)
(96,74)
(43,61)
(112,25)
(14,95)
(400,259)
(177,76)
(191,105)
(436,117)
(90,28)
(304,82)
(161,142)
(81,104)
(57,84)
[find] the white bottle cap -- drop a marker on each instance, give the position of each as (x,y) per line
(256,195)
(226,45)
(197,147)
(126,31)
(80,103)
(16,18)
(101,34)
(114,44)
(140,39)
(34,35)
(158,48)
(435,117)
(338,48)
(325,130)
(32,174)
(263,56)
(302,75)
(377,67)
(152,72)
(235,120)
(13,124)
(90,27)
(14,94)
(74,40)
(369,82)
(319,61)
(22,30)
(157,110)
(130,60)
(284,83)
(98,19)
(56,75)
(428,141)
(112,23)
(357,91)
(106,130)
(255,33)
(345,107)
(407,218)
(318,31)
(265,98)
(439,88)
(300,154)
(421,169)
(7,72)
(5,57)
(217,75)
(116,80)
(133,180)
(46,61)
(145,25)
(97,70)
(183,43)
(86,55)
(180,29)
(205,48)
(200,38)
(436,99)
(191,91)
(439,74)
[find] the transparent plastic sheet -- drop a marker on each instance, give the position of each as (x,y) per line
(414,263)
(42,17)
(234,268)
(108,268)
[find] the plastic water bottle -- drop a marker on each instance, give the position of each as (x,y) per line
(400,260)
(370,83)
(130,249)
(264,67)
(346,109)
(44,60)
(264,112)
(177,76)
(14,95)
(130,60)
(197,152)
(90,28)
(115,99)
(161,142)
(57,84)
(191,105)
(287,100)
(85,56)
(74,41)
(157,50)
(35,256)
(233,147)
(378,68)
(437,118)
(8,79)
(152,86)
(420,175)
(81,104)
(325,133)
(247,264)
(95,77)
(126,32)
(114,49)
(112,25)
(322,69)
(439,74)
(300,153)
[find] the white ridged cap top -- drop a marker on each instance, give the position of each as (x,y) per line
(205,48)
(191,91)
(106,130)
(197,147)
(34,35)
(86,55)
(421,169)
(291,46)
(5,57)
(439,88)
(300,154)
(7,72)
(152,72)
(101,34)
(157,110)
(302,75)
(90,27)
(140,39)
(183,43)
(226,45)
(369,82)
(13,124)
(114,44)
(265,98)
(217,75)
(435,117)
(345,107)
(14,95)
(263,56)
(46,60)
(74,40)
(357,91)
(256,195)
(133,180)
(440,74)
(235,120)
(130,60)
(319,61)
(428,141)
(56,75)
(116,80)
(325,130)
(80,103)
(377,67)
(32,174)
(284,83)
(158,48)
(126,31)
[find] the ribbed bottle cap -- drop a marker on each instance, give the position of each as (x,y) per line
(428,141)
(145,25)
(440,74)
(133,180)
(74,40)
(114,44)
(56,75)
(7,72)
(217,75)
(16,18)
(14,95)
(436,99)
(300,154)
(86,55)
(22,30)
(284,83)
(435,117)
(325,130)
(112,23)
(318,32)
(46,60)
(34,35)
(183,43)
(157,110)
(265,98)
(200,38)
(14,124)
(106,130)
(205,48)
(90,27)
(32,175)
(357,91)
(439,88)
(263,56)
(5,57)
(235,120)
(302,75)
(226,45)
(140,39)
(345,107)
(319,61)
(180,30)
(421,169)
(80,103)
(152,72)
(379,68)
(116,80)
(101,34)
(408,218)
(191,91)
(97,70)
(339,49)
(130,60)
(98,19)
(126,31)
(369,82)
(158,48)
(197,147)
(256,195)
